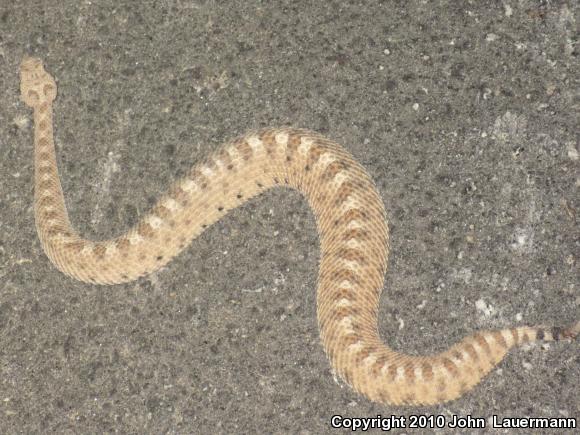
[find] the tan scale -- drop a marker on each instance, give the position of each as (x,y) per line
(354,245)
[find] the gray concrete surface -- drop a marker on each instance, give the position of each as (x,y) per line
(465,114)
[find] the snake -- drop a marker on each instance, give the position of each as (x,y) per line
(354,245)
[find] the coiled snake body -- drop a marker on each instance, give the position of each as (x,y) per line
(354,244)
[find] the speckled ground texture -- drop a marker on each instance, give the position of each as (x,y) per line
(465,114)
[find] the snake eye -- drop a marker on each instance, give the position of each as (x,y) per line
(33,96)
(49,91)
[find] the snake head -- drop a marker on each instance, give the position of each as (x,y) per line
(36,85)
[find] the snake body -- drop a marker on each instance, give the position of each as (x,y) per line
(354,245)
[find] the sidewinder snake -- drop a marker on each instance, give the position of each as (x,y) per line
(354,244)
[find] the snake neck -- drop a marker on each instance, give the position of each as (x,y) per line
(51,217)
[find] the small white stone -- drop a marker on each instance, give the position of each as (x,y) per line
(572,151)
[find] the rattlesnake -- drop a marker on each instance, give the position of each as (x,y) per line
(354,244)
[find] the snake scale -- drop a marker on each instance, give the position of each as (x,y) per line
(354,245)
